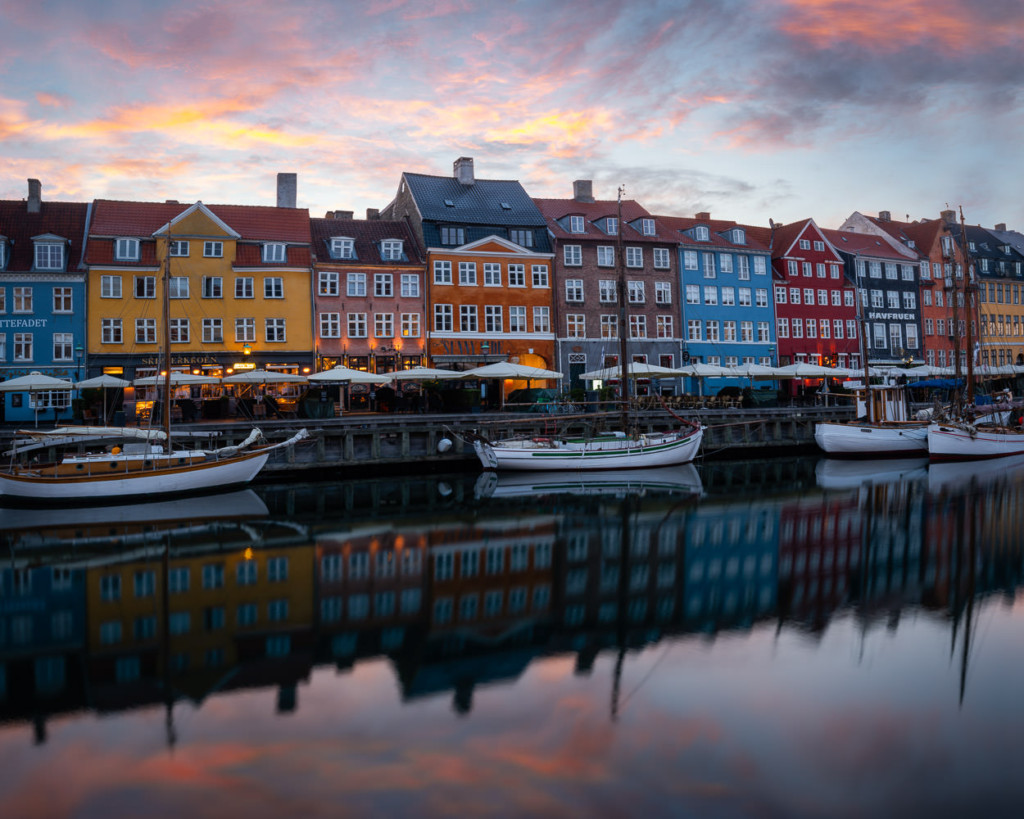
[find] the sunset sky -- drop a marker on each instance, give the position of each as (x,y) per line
(747,108)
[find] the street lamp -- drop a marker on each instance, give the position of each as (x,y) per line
(485,348)
(79,351)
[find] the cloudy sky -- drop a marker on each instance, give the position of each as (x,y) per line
(750,109)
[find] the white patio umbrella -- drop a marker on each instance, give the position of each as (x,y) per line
(263,377)
(635,369)
(752,371)
(178,379)
(698,369)
(103,382)
(506,369)
(339,374)
(35,381)
(805,370)
(424,374)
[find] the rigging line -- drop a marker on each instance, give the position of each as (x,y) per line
(644,679)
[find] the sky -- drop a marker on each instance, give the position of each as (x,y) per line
(749,109)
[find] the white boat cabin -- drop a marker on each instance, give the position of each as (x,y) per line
(888,403)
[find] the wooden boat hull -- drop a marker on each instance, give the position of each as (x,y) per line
(872,440)
(550,454)
(168,479)
(961,442)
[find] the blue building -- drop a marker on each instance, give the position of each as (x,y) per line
(42,300)
(728,318)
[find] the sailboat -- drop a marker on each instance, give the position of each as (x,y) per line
(623,448)
(964,436)
(106,464)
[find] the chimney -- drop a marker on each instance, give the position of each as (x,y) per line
(949,217)
(1001,227)
(464,170)
(35,196)
(344,214)
(287,185)
(704,215)
(373,213)
(583,190)
(884,216)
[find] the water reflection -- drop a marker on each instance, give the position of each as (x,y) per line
(467,582)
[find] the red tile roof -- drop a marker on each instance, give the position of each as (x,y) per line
(555,209)
(252,222)
(863,244)
(64,219)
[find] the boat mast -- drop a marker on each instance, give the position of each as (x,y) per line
(165,408)
(623,326)
(968,291)
(861,314)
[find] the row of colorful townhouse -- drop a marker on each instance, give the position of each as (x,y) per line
(457,271)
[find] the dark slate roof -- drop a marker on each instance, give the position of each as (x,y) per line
(368,234)
(476,204)
(64,219)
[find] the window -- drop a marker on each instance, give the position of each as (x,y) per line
(663,292)
(764,333)
(443,318)
(664,326)
(330,325)
(692,294)
(709,265)
(805,244)
(837,298)
(837,325)
(647,227)
(808,269)
(63,346)
(357,325)
(179,331)
(823,298)
(145,287)
(701,233)
(761,297)
(572,255)
(177,287)
(145,331)
(468,318)
(746,331)
(824,328)
(574,289)
(713,331)
(126,249)
(62,300)
(274,252)
(576,224)
(634,257)
(725,262)
(467,273)
(244,287)
(342,248)
(245,329)
(729,296)
(607,291)
(517,319)
(355,285)
(540,275)
(780,295)
(611,226)
(783,328)
(327,283)
(711,294)
(213,576)
(744,296)
(728,331)
(213,330)
(819,246)
(273,287)
(808,295)
(442,272)
(576,325)
(110,331)
(517,275)
(609,326)
(909,300)
(794,296)
(605,256)
(891,270)
(110,287)
(523,238)
(492,318)
(453,236)
(542,319)
(411,286)
(391,250)
(213,250)
(276,330)
(492,274)
(410,325)
(49,256)
(661,258)
(798,328)
(213,287)
(636,292)
(22,299)
(179,247)
(383,285)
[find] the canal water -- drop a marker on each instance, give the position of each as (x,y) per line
(779,638)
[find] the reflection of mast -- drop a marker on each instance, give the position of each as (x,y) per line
(623,320)
(623,601)
(968,291)
(165,641)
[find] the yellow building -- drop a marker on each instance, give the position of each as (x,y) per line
(238,282)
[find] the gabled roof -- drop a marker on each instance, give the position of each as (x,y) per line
(367,235)
(718,230)
(864,244)
(592,212)
(485,202)
(254,223)
(922,233)
(786,236)
(64,219)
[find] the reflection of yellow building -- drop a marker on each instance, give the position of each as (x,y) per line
(201,610)
(239,286)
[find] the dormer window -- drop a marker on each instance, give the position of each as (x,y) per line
(3,252)
(126,250)
(453,236)
(576,224)
(739,237)
(274,252)
(342,248)
(391,249)
(523,238)
(49,255)
(611,225)
(701,233)
(647,227)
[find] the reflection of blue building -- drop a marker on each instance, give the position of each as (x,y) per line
(732,561)
(725,280)
(42,635)
(42,299)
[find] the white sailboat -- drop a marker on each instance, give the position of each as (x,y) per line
(98,469)
(624,448)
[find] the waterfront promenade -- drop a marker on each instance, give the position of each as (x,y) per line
(398,443)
